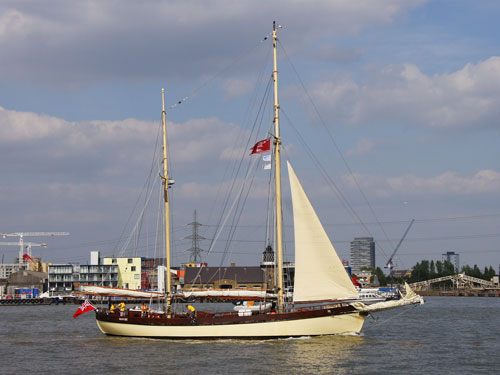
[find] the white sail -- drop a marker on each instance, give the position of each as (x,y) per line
(234,293)
(319,273)
(118,292)
(411,298)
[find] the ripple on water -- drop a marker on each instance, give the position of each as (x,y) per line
(445,336)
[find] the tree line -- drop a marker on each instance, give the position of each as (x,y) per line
(426,270)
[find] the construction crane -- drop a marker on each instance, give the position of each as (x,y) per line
(389,264)
(21,236)
(25,257)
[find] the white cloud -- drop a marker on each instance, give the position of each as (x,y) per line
(237,87)
(91,172)
(74,43)
(448,183)
(28,126)
(363,146)
(196,190)
(339,54)
(484,181)
(13,22)
(403,94)
(204,140)
(195,140)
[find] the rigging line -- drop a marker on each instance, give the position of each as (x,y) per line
(137,224)
(221,227)
(228,167)
(246,116)
(159,225)
(377,323)
(226,218)
(150,182)
(170,192)
(237,216)
(424,252)
(144,188)
(215,76)
(344,201)
(236,168)
(461,237)
(136,229)
(241,204)
(148,186)
(238,165)
(270,215)
(430,220)
(330,135)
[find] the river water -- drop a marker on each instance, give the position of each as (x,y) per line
(447,335)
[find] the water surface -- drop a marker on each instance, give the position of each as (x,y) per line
(447,335)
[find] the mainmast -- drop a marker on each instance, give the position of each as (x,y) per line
(166,185)
(277,168)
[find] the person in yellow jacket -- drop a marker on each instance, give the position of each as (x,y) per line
(191,311)
(112,308)
(121,306)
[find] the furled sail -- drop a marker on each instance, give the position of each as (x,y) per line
(229,293)
(117,292)
(410,298)
(319,273)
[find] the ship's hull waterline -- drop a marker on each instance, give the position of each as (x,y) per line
(318,326)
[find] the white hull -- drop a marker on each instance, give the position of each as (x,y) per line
(326,325)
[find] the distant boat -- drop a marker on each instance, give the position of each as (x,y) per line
(330,307)
(373,295)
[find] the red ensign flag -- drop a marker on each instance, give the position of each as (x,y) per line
(261,146)
(355,281)
(85,307)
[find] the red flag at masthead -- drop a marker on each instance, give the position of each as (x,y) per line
(261,146)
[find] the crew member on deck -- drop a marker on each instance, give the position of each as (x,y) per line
(192,314)
(144,308)
(112,308)
(121,306)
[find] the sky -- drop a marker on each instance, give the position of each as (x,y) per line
(397,100)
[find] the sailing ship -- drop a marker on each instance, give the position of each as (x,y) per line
(332,307)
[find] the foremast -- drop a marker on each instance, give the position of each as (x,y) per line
(166,185)
(277,168)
